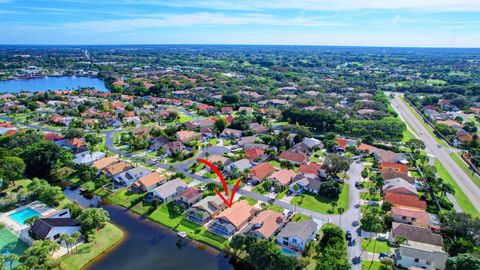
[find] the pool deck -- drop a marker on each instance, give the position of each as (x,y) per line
(17,228)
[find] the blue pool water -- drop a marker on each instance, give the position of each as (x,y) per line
(288,252)
(24,214)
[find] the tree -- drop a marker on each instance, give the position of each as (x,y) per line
(220,124)
(38,255)
(92,141)
(74,208)
(46,193)
(12,258)
(74,133)
(68,241)
(334,164)
(41,159)
(173,115)
(365,173)
(76,236)
(231,98)
(30,221)
(463,261)
(11,168)
(330,189)
(92,219)
(401,240)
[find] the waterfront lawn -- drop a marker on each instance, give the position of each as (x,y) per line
(201,234)
(474,177)
(319,203)
(166,215)
(86,252)
(380,246)
(125,197)
(460,197)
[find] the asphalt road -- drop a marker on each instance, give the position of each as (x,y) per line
(442,153)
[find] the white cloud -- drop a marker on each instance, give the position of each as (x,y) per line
(152,21)
(325,5)
(396,20)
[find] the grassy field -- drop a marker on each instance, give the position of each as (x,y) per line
(380,246)
(106,238)
(464,167)
(125,197)
(369,265)
(460,197)
(165,216)
(429,129)
(201,234)
(407,135)
(321,204)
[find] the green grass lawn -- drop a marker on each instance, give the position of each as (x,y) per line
(106,238)
(281,194)
(275,208)
(366,196)
(165,216)
(300,217)
(213,141)
(275,163)
(321,204)
(407,135)
(23,182)
(259,190)
(251,201)
(125,197)
(369,265)
(201,234)
(380,246)
(464,167)
(460,197)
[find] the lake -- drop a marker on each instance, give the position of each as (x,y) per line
(148,245)
(51,83)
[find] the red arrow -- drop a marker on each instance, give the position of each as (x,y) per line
(228,202)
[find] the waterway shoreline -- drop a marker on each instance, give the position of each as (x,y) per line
(51,83)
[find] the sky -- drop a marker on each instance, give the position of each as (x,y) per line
(404,23)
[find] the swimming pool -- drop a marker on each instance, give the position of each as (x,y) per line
(288,252)
(24,214)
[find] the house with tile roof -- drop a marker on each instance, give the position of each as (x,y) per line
(104,162)
(232,219)
(189,196)
(282,177)
(404,200)
(410,216)
(261,172)
(148,182)
(293,157)
(399,186)
(393,167)
(415,234)
(266,224)
(205,210)
(116,168)
(254,153)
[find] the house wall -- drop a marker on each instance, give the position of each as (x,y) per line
(292,242)
(61,230)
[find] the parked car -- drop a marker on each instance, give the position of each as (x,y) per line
(383,255)
(357,184)
(373,203)
(348,236)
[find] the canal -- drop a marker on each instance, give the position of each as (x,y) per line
(147,245)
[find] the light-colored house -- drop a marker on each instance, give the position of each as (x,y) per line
(232,219)
(399,186)
(126,178)
(117,168)
(266,224)
(53,226)
(410,216)
(206,209)
(305,182)
(420,255)
(168,190)
(282,177)
(88,157)
(187,135)
(231,133)
(102,163)
(296,235)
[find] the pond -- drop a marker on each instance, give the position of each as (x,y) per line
(51,83)
(148,245)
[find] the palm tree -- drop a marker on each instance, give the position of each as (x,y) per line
(372,191)
(12,258)
(446,188)
(340,211)
(76,236)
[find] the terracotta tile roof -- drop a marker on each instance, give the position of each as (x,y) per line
(253,153)
(185,135)
(263,170)
(449,123)
(393,175)
(341,142)
(190,193)
(104,162)
(392,167)
(405,200)
(217,158)
(118,168)
(283,176)
(366,147)
(311,168)
(150,179)
(292,156)
(77,143)
(270,221)
(238,214)
(6,125)
(227,109)
(10,132)
(421,217)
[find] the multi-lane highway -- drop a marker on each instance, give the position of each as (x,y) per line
(442,153)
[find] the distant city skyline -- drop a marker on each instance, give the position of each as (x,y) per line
(405,23)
